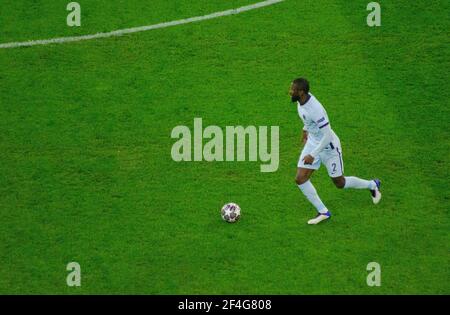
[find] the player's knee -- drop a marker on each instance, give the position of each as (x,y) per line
(301,179)
(340,185)
(339,182)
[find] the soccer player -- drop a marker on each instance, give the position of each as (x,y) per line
(322,145)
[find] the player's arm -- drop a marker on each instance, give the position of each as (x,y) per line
(326,139)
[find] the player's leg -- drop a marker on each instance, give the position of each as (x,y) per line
(339,181)
(335,166)
(303,182)
(359,183)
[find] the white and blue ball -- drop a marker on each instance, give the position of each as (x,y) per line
(231,212)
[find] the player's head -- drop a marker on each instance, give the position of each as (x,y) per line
(299,88)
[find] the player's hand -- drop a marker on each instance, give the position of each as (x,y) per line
(308,159)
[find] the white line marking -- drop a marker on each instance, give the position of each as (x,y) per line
(141,28)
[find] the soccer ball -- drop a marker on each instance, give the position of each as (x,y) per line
(231,212)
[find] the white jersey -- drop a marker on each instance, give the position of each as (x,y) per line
(314,117)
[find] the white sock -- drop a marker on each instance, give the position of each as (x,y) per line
(358,183)
(311,194)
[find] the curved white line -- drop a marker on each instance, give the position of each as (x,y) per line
(141,28)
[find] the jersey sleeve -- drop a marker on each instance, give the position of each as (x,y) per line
(320,118)
(326,139)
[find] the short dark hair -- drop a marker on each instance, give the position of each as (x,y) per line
(302,84)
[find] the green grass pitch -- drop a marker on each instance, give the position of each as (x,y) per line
(86,173)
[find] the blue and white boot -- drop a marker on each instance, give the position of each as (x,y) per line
(320,217)
(376,194)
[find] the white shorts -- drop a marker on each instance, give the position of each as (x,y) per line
(331,157)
